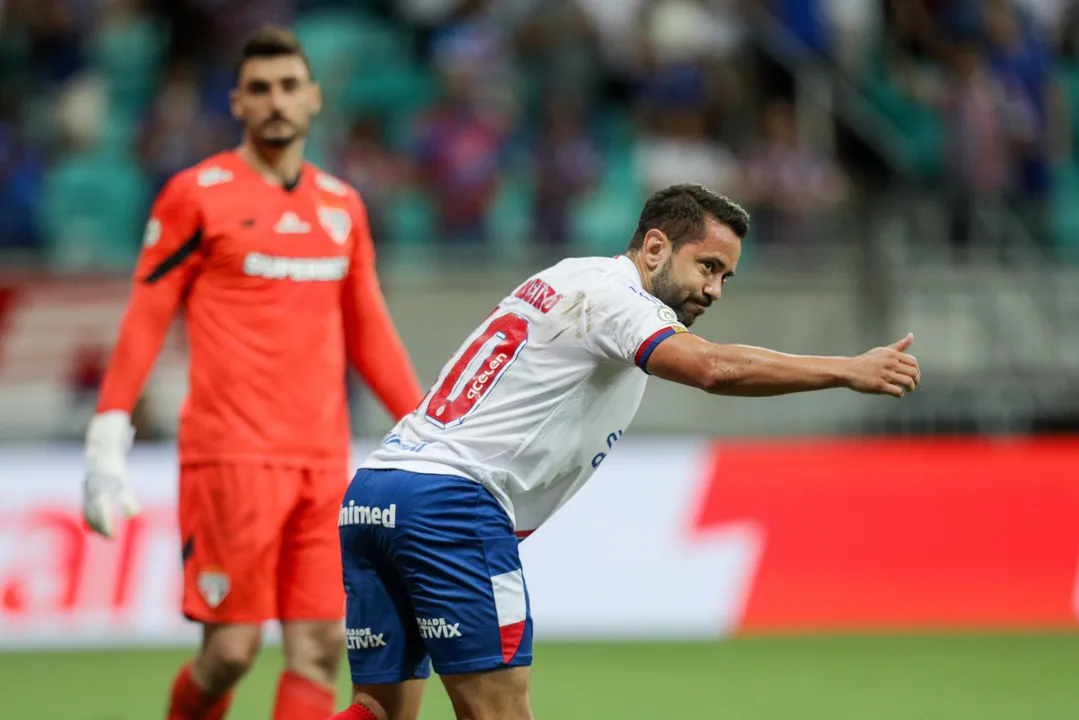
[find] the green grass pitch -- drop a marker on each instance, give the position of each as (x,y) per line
(918,677)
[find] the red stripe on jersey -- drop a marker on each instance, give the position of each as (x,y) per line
(650,343)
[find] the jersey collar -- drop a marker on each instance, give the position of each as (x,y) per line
(628,269)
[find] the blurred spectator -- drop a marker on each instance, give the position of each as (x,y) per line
(377,173)
(567,164)
(788,185)
(21,174)
(928,28)
(978,141)
(58,33)
(855,31)
(190,25)
(1049,17)
(560,45)
(1022,61)
(805,19)
(81,108)
(179,132)
(675,144)
(458,150)
(474,45)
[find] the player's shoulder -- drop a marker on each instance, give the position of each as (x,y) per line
(585,270)
(214,171)
(331,184)
(599,277)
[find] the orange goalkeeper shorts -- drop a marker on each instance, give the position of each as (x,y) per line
(260,542)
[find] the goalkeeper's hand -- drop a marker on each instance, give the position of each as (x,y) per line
(108,441)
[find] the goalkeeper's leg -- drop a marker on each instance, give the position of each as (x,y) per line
(203,687)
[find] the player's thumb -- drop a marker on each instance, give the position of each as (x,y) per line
(906,342)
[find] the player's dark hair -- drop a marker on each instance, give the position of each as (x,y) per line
(679,211)
(271,41)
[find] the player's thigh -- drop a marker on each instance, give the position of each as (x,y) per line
(464,578)
(399,701)
(491,695)
(381,635)
(231,516)
(309,574)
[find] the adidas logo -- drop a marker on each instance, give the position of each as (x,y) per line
(291,224)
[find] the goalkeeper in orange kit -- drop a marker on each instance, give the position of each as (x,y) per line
(272,263)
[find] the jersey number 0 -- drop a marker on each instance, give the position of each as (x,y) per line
(456,397)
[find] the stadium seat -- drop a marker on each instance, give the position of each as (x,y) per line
(92,213)
(130,55)
(913,128)
(402,87)
(341,43)
(1067,77)
(1064,212)
(410,219)
(511,215)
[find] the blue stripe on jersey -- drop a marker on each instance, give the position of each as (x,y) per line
(650,344)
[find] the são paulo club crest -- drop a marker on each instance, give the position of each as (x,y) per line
(336,222)
(214,586)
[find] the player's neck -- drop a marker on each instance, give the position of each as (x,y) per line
(638,262)
(279,166)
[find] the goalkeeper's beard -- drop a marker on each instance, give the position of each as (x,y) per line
(278,142)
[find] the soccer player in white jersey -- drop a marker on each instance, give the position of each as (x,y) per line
(515,426)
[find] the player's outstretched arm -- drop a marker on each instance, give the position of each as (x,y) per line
(742,370)
(167,264)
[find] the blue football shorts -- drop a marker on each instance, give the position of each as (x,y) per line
(432,576)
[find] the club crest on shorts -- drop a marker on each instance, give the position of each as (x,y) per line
(214,586)
(336,222)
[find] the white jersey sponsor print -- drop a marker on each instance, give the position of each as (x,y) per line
(541,391)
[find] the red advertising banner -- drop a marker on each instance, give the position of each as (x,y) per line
(903,534)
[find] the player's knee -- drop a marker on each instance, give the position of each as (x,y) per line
(314,649)
(229,657)
(328,648)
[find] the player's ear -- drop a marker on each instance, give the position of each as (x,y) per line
(655,249)
(316,98)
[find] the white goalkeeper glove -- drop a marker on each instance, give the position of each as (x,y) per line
(108,441)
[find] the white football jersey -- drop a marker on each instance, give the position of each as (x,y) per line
(537,396)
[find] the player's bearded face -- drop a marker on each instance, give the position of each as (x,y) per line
(276,100)
(686,302)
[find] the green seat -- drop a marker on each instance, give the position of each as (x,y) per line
(93,214)
(1067,77)
(410,219)
(1064,212)
(511,215)
(130,54)
(603,221)
(914,130)
(403,88)
(341,43)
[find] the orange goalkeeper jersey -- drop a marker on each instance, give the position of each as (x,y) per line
(278,288)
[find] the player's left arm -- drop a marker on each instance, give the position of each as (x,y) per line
(374,347)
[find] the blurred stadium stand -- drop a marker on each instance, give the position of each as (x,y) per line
(906,165)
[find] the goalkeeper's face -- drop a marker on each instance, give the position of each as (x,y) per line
(276,99)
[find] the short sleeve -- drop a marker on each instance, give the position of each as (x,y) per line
(628,324)
(173,235)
